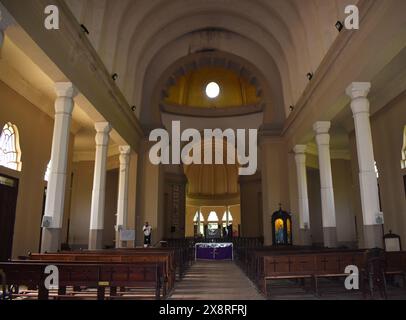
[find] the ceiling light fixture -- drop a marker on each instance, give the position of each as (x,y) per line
(84,29)
(212,90)
(339,26)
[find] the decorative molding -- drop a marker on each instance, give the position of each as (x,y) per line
(75,56)
(200,112)
(325,67)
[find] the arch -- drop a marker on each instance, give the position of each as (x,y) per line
(196,216)
(10,151)
(230,216)
(213,217)
(403,162)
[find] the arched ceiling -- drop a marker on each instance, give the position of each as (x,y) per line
(140,39)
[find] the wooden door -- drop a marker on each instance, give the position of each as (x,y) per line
(8,203)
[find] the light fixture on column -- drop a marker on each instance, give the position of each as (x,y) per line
(291,108)
(84,29)
(339,26)
(310,76)
(133,108)
(114,76)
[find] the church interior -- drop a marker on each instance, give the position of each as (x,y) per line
(84,84)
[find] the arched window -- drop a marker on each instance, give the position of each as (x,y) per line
(198,222)
(47,172)
(403,163)
(196,216)
(10,153)
(230,217)
(213,217)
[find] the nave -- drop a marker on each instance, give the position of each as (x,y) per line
(215,280)
(172,272)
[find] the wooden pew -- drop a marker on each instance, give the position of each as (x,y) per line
(90,275)
(396,265)
(165,259)
(302,265)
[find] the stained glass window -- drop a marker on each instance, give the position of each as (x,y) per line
(279,231)
(10,153)
(282,228)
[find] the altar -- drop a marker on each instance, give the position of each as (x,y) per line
(214,251)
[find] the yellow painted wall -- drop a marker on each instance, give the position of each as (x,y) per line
(190,90)
(35,131)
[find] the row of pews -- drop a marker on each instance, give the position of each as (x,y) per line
(131,273)
(264,265)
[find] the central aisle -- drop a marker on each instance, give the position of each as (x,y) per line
(215,280)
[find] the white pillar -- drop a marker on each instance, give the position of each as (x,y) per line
(55,200)
(358,91)
(199,221)
(303,198)
(99,186)
(123,183)
(326,182)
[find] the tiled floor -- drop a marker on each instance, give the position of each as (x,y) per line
(215,280)
(212,280)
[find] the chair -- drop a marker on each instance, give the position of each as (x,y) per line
(373,274)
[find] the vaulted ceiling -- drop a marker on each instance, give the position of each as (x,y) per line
(141,39)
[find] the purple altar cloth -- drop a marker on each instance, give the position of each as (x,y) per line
(214,251)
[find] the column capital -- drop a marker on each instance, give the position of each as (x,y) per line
(124,150)
(358,90)
(322,127)
(300,149)
(102,127)
(65,90)
(102,136)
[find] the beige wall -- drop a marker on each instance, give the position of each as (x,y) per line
(35,131)
(251,207)
(343,200)
(345,215)
(316,225)
(387,133)
(81,203)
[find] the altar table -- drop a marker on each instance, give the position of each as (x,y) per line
(214,251)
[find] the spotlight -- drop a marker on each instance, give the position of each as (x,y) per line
(339,26)
(310,76)
(84,29)
(114,76)
(133,108)
(291,108)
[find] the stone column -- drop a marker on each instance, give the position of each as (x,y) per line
(99,186)
(358,91)
(55,199)
(303,199)
(274,172)
(326,181)
(122,202)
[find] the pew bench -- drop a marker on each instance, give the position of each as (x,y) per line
(90,275)
(163,258)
